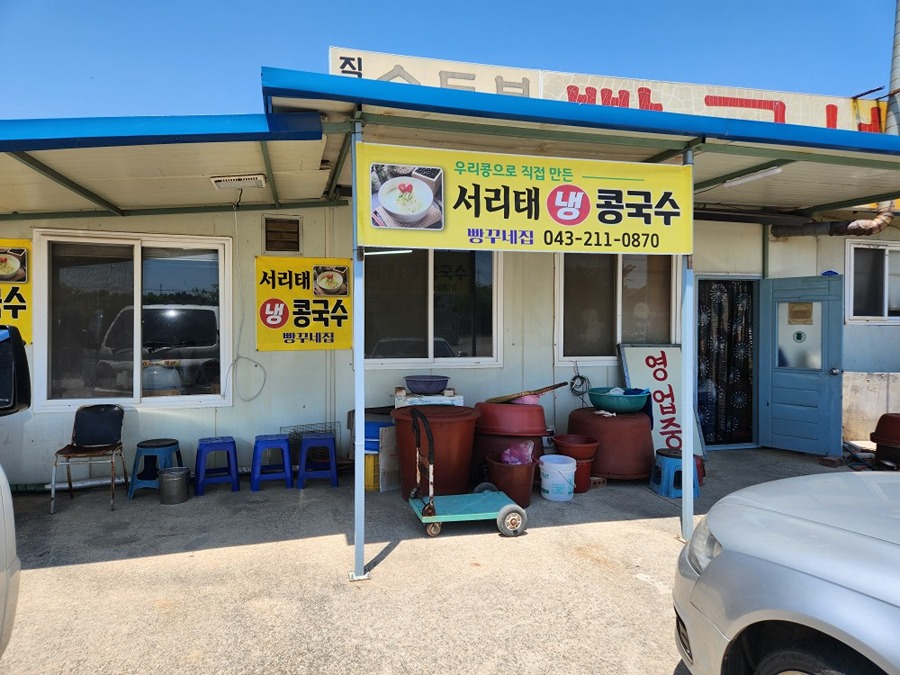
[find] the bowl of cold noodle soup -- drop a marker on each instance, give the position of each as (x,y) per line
(406,199)
(9,266)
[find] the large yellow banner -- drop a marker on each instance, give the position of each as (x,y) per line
(450,199)
(303,304)
(16,307)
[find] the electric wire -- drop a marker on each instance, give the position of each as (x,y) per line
(580,385)
(232,367)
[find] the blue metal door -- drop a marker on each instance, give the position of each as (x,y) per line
(801,322)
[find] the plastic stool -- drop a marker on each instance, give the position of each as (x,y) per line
(162,451)
(665,479)
(314,440)
(260,471)
(225,474)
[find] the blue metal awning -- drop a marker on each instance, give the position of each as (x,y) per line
(315,87)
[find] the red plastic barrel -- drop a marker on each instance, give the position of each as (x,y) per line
(453,429)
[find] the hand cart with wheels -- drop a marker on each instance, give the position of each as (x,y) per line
(485,503)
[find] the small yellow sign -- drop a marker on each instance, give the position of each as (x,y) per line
(303,304)
(451,199)
(16,307)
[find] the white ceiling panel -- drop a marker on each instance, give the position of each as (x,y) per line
(298,185)
(23,190)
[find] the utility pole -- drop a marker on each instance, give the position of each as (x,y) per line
(892,124)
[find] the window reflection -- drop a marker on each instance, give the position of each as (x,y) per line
(92,337)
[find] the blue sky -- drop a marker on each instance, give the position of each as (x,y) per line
(96,58)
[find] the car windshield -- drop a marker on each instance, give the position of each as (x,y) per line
(164,327)
(178,327)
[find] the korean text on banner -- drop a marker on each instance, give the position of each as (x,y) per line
(303,304)
(658,368)
(449,199)
(15,285)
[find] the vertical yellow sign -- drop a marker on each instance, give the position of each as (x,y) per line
(16,308)
(303,304)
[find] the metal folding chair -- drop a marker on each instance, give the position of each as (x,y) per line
(96,439)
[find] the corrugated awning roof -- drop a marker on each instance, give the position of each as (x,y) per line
(127,166)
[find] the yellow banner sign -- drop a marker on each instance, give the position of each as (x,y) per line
(303,304)
(449,199)
(16,306)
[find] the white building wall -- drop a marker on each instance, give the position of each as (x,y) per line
(728,248)
(271,389)
(276,389)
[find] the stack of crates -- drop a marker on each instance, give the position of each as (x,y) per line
(373,471)
(374,425)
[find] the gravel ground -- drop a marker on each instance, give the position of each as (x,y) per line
(259,582)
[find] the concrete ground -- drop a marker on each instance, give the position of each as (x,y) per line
(259,582)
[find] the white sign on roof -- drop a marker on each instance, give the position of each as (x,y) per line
(693,99)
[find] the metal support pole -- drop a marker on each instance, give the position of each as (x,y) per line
(688,357)
(359,381)
(892,123)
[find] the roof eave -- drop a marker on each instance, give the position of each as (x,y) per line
(277,82)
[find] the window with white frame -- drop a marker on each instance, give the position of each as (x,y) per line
(612,299)
(98,347)
(427,305)
(873,274)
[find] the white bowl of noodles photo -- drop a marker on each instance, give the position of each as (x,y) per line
(330,282)
(406,199)
(9,266)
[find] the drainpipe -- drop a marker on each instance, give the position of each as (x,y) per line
(840,228)
(885,212)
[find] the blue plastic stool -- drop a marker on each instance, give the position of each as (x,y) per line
(665,479)
(164,451)
(315,440)
(260,471)
(225,474)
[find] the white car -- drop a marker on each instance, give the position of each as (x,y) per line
(9,593)
(800,575)
(15,396)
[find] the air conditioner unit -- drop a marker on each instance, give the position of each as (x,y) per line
(252,180)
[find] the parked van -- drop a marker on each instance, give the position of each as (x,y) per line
(180,350)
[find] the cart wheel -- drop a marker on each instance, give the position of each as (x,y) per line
(414,493)
(512,520)
(433,529)
(485,487)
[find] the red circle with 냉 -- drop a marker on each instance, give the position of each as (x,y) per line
(568,205)
(273,313)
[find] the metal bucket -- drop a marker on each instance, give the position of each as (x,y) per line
(173,484)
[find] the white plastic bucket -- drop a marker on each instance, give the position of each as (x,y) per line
(557,477)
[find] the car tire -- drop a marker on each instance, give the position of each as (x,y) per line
(816,658)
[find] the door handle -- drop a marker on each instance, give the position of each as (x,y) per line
(834,371)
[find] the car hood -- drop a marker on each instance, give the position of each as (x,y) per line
(841,527)
(865,503)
